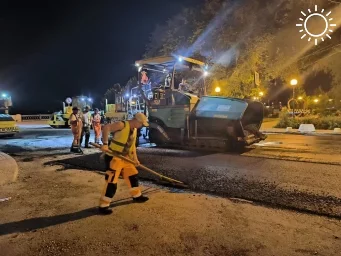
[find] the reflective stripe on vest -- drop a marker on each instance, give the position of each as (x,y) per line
(130,146)
(120,138)
(77,119)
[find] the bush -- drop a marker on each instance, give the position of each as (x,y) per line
(322,123)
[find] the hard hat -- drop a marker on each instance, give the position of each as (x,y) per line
(141,118)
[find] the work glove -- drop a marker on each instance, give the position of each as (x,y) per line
(104,148)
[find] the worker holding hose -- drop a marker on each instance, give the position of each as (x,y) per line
(123,143)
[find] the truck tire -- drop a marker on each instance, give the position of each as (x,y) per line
(235,147)
(156,137)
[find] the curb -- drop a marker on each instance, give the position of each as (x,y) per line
(8,169)
(300,133)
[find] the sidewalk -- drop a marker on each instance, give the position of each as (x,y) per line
(8,169)
(296,131)
(267,127)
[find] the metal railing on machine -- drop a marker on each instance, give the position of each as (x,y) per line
(40,117)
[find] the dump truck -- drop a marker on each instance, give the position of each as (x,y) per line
(184,119)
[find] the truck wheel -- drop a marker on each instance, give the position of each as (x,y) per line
(155,137)
(236,147)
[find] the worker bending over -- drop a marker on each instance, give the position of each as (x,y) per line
(76,124)
(87,120)
(123,143)
(96,124)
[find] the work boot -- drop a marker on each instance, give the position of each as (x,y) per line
(140,199)
(74,149)
(105,210)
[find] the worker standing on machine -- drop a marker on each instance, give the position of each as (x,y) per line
(123,143)
(96,124)
(87,120)
(76,127)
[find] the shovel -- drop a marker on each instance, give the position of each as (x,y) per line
(142,167)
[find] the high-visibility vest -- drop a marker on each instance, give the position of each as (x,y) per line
(77,119)
(123,142)
(96,118)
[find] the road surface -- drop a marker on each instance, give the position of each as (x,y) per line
(52,206)
(292,171)
(309,148)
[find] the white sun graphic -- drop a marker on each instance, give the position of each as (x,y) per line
(325,32)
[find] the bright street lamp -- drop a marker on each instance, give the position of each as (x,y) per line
(300,98)
(293,83)
(316,100)
(217,89)
(205,73)
(4,95)
(261,94)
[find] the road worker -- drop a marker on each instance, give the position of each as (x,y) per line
(96,124)
(87,120)
(123,143)
(184,86)
(76,124)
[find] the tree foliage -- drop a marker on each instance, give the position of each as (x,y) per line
(241,37)
(111,93)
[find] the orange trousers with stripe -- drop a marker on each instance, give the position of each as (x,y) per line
(97,129)
(77,132)
(116,167)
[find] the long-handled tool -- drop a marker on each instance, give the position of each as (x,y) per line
(141,166)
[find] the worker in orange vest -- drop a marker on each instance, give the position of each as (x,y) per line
(96,124)
(76,127)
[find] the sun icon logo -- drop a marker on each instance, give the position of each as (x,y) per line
(327,25)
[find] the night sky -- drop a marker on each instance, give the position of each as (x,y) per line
(50,50)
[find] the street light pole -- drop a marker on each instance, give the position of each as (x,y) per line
(293,106)
(293,83)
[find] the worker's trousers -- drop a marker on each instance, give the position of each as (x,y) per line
(115,167)
(86,132)
(76,131)
(97,129)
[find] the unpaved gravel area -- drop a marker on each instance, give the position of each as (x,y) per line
(52,211)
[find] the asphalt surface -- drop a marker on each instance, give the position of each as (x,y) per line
(298,172)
